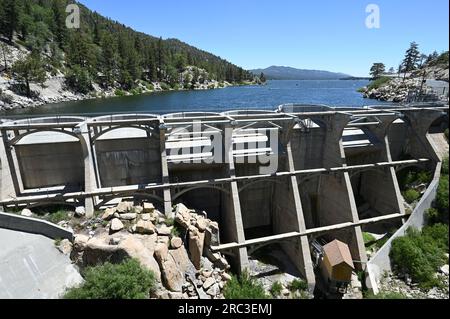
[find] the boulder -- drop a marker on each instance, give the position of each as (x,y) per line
(145,227)
(80,211)
(214,290)
(146,217)
(124,207)
(176,242)
(109,213)
(148,208)
(208,283)
(80,242)
(134,248)
(163,230)
(128,216)
(26,212)
(116,225)
(212,235)
(196,242)
(138,209)
(201,224)
(65,247)
(172,275)
(444,269)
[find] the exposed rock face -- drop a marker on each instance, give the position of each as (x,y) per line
(186,274)
(196,242)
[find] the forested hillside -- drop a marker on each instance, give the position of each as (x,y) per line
(101,52)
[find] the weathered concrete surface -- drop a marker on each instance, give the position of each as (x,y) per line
(32,268)
(34,226)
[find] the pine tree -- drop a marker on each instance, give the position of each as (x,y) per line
(10,18)
(160,59)
(262,78)
(411,59)
(377,69)
(30,70)
(59,26)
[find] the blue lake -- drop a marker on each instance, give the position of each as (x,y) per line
(267,97)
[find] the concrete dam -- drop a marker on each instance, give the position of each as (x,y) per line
(289,176)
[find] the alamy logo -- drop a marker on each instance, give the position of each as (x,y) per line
(73,19)
(373,19)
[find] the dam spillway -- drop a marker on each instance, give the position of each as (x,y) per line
(286,176)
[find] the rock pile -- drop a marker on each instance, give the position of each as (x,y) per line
(395,90)
(178,250)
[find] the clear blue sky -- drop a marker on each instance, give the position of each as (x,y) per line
(322,34)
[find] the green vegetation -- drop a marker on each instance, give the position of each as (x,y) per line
(276,289)
(244,287)
(368,238)
(411,195)
(29,70)
(377,69)
(102,50)
(128,280)
(421,253)
(446,134)
(57,216)
(386,295)
(298,285)
(378,82)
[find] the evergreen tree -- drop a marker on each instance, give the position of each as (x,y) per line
(30,70)
(377,69)
(9,22)
(59,27)
(5,51)
(160,59)
(411,59)
(262,78)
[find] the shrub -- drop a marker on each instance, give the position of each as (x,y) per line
(244,287)
(164,86)
(150,87)
(442,197)
(276,289)
(79,80)
(445,166)
(437,233)
(411,195)
(127,280)
(368,238)
(57,217)
(119,92)
(378,83)
(420,255)
(386,295)
(298,285)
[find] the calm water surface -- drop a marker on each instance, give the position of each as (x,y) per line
(268,97)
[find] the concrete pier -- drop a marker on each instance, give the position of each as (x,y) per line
(259,174)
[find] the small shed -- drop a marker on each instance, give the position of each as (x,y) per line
(337,262)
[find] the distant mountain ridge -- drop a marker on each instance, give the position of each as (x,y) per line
(288,73)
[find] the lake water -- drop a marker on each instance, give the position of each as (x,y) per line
(267,97)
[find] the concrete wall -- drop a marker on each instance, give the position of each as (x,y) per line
(46,165)
(128,161)
(34,226)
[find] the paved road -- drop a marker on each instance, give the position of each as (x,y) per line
(32,268)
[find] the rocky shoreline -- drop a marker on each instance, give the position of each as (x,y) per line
(53,92)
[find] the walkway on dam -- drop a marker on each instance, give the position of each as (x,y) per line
(32,268)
